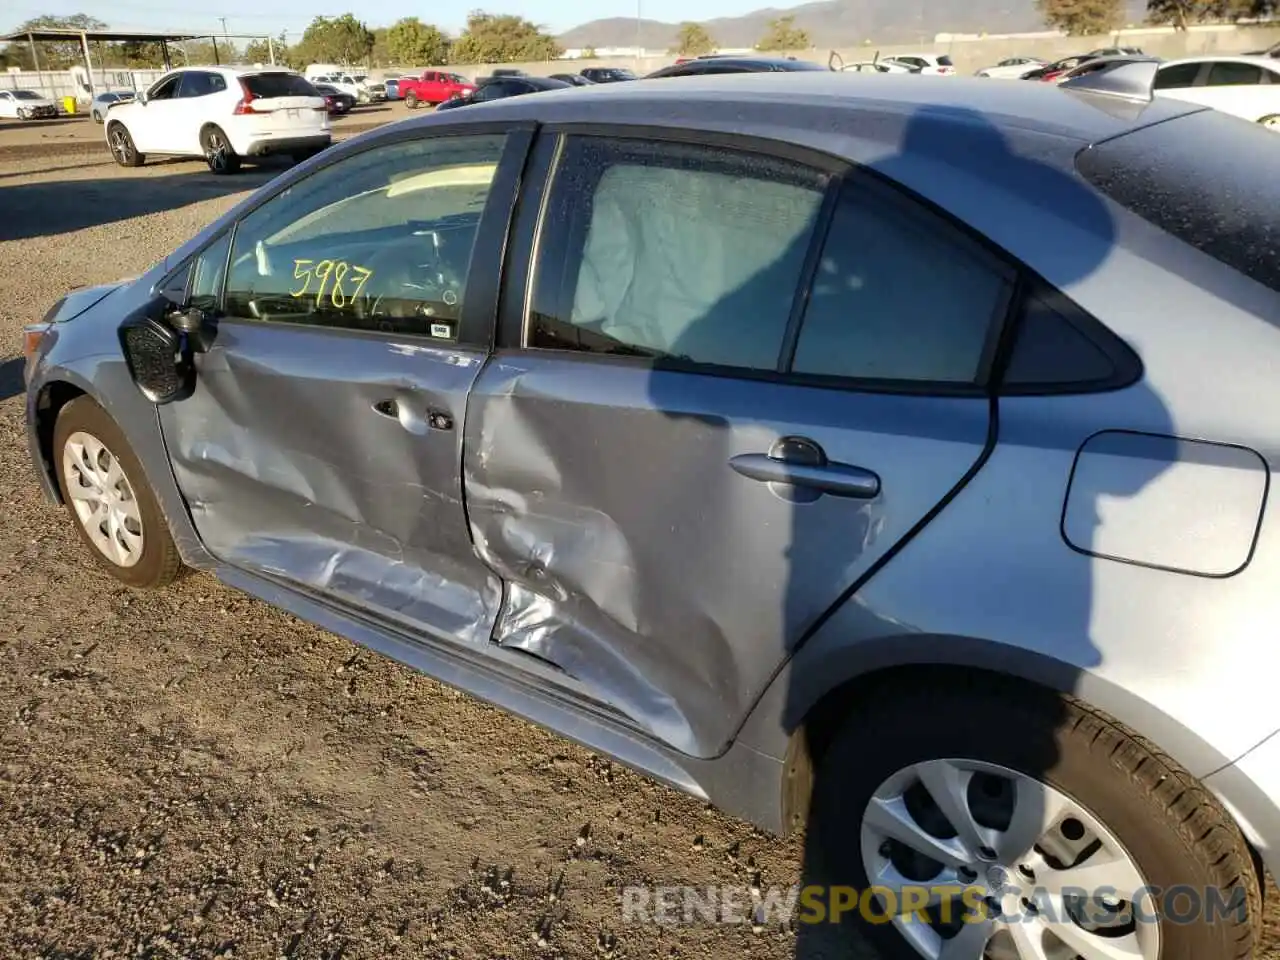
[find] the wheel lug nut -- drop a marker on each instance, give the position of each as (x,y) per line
(986,853)
(1026,871)
(968,875)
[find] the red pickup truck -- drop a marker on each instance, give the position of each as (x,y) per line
(433,87)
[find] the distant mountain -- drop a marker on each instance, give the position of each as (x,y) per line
(835,23)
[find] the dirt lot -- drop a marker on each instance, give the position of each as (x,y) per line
(193,774)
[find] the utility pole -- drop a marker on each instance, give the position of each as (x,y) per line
(225,39)
(639,31)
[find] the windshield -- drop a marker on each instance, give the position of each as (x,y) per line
(26,95)
(458,78)
(945,61)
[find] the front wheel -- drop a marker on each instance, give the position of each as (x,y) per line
(122,147)
(107,495)
(218,152)
(411,100)
(1005,823)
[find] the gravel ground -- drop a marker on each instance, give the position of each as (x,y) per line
(191,773)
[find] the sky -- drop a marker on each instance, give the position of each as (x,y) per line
(253,16)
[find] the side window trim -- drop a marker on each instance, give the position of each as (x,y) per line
(518,273)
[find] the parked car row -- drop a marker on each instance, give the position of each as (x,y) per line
(1244,86)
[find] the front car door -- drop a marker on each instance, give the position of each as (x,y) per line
(728,383)
(322,443)
(151,124)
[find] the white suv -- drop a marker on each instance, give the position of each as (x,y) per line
(223,114)
(929,64)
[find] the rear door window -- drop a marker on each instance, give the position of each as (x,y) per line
(680,252)
(1227,73)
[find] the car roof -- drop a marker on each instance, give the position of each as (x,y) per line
(1268,62)
(819,99)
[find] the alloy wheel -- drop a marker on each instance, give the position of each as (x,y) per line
(1042,877)
(103,498)
(216,151)
(121,145)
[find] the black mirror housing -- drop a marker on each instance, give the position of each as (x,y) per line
(158,360)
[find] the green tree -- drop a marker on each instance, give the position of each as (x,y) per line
(410,42)
(1082,18)
(1183,13)
(502,38)
(260,51)
(783,36)
(54,55)
(341,39)
(693,40)
(589,53)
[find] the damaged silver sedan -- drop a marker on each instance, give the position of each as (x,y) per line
(832,448)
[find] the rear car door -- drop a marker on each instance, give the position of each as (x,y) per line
(729,382)
(194,106)
(322,443)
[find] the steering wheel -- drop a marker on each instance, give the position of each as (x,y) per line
(410,279)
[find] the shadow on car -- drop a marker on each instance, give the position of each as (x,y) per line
(54,207)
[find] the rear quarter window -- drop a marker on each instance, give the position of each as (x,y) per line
(1209,179)
(268,85)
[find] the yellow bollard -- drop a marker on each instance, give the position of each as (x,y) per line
(69,105)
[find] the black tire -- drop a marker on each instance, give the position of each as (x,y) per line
(218,153)
(411,100)
(122,146)
(1173,829)
(158,562)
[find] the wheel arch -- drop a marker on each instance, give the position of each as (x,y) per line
(46,405)
(815,692)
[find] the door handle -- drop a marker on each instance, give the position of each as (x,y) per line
(410,419)
(796,462)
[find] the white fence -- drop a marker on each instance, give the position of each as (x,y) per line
(56,84)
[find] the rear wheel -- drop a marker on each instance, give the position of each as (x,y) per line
(1068,835)
(107,495)
(218,153)
(411,100)
(122,147)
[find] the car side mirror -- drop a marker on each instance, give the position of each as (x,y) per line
(157,361)
(141,98)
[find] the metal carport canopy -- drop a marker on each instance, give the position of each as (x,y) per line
(139,36)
